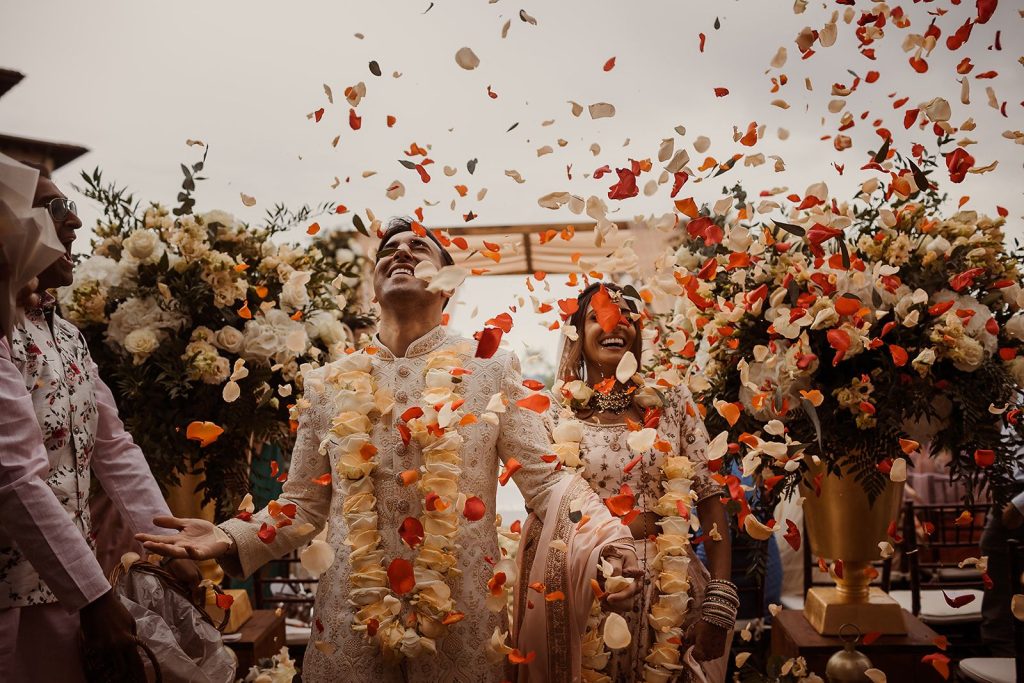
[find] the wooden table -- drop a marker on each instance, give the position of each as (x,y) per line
(898,656)
(262,636)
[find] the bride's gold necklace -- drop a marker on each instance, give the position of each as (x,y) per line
(617,401)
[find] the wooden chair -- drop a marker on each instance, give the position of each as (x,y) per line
(1003,669)
(936,539)
(275,585)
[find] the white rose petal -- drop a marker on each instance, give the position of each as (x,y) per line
(231,392)
(641,441)
(898,473)
(616,631)
(718,446)
(317,557)
(448,278)
(467,59)
(626,368)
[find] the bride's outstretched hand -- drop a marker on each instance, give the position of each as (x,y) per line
(196,539)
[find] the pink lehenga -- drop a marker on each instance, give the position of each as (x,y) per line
(554,629)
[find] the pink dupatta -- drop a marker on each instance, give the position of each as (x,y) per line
(554,630)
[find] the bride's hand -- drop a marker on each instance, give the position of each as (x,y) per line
(709,641)
(196,539)
(623,564)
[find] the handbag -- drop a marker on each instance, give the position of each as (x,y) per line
(180,640)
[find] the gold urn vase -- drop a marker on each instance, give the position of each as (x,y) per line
(844,524)
(184,501)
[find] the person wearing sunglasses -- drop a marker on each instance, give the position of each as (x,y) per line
(58,425)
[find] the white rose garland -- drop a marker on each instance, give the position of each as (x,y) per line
(433,424)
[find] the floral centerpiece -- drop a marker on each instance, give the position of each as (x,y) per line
(856,330)
(202,325)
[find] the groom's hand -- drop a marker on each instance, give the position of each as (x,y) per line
(624,564)
(196,539)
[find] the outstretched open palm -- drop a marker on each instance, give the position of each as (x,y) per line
(196,539)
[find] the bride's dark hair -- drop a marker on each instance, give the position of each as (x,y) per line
(573,364)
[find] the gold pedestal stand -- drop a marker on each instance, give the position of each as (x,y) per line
(827,609)
(843,524)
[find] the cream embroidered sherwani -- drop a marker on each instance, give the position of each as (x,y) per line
(521,433)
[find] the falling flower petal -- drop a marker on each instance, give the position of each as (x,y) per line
(538,403)
(203,432)
(626,368)
(616,631)
(467,59)
(317,557)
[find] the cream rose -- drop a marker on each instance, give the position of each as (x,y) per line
(144,245)
(229,339)
(141,343)
(294,295)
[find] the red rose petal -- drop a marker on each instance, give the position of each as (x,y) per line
(400,576)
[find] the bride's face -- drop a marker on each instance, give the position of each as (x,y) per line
(603,350)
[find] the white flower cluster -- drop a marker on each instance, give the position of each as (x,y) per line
(141,325)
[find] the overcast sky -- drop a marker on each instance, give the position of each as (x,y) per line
(132,81)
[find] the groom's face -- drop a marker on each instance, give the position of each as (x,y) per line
(393,276)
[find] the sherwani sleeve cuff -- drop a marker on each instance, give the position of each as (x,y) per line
(1018,502)
(250,552)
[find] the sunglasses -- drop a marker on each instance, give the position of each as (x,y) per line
(60,208)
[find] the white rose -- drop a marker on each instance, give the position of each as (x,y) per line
(568,430)
(141,343)
(1016,369)
(266,337)
(102,269)
(144,245)
(324,326)
(1015,327)
(293,294)
(220,217)
(344,255)
(261,344)
(229,339)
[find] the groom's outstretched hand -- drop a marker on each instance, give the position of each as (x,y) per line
(624,564)
(196,539)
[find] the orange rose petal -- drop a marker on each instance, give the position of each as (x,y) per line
(538,403)
(203,432)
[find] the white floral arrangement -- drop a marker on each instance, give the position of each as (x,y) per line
(202,324)
(279,669)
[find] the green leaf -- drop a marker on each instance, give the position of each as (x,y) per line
(919,177)
(358,222)
(883,152)
(845,252)
(408,164)
(790,228)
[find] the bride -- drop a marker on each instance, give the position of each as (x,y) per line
(694,613)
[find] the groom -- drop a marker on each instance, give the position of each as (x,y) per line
(411,339)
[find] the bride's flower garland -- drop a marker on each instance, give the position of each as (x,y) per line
(669,610)
(374,588)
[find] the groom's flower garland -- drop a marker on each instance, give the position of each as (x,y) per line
(374,589)
(668,611)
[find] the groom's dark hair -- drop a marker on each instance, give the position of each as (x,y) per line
(402,224)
